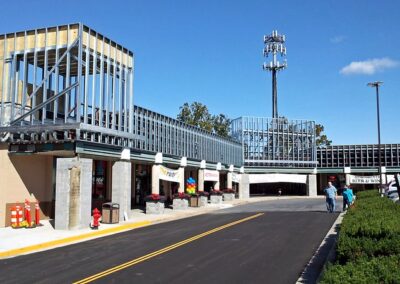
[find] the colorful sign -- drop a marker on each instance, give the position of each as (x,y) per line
(169,174)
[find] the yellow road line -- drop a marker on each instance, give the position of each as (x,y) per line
(163,250)
(50,244)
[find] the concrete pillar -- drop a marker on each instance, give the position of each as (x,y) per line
(181,179)
(229,180)
(121,186)
(348,179)
(200,184)
(155,179)
(73,193)
(244,187)
(217,184)
(312,185)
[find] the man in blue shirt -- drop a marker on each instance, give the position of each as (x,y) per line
(330,192)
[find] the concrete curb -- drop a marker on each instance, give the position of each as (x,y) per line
(321,255)
(109,231)
(72,239)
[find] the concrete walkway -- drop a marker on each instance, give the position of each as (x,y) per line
(14,242)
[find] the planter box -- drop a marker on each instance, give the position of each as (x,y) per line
(203,200)
(194,201)
(229,196)
(216,199)
(180,204)
(154,207)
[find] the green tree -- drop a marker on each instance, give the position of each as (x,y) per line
(321,139)
(198,115)
(221,125)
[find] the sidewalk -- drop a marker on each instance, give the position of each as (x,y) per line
(14,242)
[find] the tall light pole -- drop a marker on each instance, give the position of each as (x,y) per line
(376,84)
(274,44)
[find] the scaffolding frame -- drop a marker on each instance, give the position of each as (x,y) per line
(276,142)
(64,83)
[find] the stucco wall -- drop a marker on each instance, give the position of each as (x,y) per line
(23,175)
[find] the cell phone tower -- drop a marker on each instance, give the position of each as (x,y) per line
(274,44)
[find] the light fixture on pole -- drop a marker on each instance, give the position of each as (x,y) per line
(376,85)
(274,44)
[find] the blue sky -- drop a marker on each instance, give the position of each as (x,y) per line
(211,52)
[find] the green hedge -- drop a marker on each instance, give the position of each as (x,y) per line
(374,270)
(369,234)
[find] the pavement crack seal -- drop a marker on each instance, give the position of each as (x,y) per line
(163,250)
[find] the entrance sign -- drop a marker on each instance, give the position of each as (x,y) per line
(169,174)
(211,175)
(364,179)
(270,178)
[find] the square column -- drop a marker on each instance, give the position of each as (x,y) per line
(229,180)
(73,193)
(312,185)
(200,184)
(181,179)
(155,179)
(121,186)
(244,187)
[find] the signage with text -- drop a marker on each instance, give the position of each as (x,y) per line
(364,179)
(169,174)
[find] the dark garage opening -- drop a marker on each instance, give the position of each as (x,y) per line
(272,189)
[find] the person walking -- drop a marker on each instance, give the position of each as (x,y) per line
(330,192)
(347,197)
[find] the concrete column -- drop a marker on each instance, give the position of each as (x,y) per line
(348,179)
(121,187)
(73,193)
(200,183)
(312,185)
(229,180)
(244,187)
(155,179)
(217,184)
(181,179)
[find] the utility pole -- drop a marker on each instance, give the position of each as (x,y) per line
(274,44)
(376,86)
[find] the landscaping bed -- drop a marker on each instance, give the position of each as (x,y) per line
(368,248)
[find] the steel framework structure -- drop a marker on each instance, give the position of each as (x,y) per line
(276,142)
(358,156)
(69,83)
(159,133)
(63,83)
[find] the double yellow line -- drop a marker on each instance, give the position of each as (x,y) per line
(163,250)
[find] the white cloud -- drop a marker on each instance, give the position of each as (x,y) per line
(369,67)
(337,39)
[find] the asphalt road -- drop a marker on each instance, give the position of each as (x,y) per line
(270,248)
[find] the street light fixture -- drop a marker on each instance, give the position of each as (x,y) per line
(376,85)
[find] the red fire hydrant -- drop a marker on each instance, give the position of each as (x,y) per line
(96,218)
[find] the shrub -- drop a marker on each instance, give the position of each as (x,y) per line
(368,249)
(364,270)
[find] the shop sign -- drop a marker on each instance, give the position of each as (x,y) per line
(211,175)
(236,177)
(364,179)
(169,174)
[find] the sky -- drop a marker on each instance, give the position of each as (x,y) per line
(210,51)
